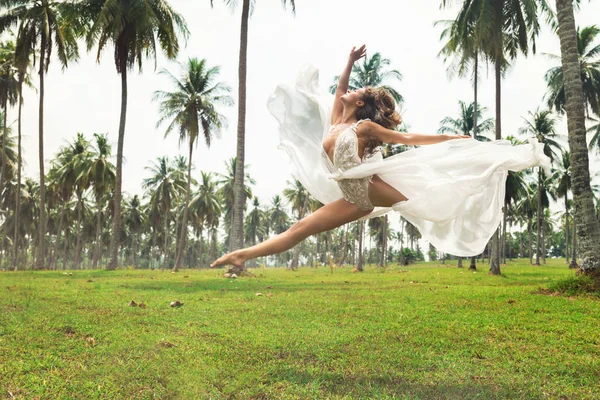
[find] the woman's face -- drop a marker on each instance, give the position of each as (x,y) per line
(354,97)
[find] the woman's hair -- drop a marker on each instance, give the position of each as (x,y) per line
(379,107)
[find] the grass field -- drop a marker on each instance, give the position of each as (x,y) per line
(420,332)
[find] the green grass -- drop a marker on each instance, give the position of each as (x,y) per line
(420,332)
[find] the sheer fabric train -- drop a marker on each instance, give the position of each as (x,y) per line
(455,189)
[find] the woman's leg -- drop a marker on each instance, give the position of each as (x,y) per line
(330,216)
(382,194)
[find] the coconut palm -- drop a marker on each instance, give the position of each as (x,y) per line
(192,111)
(462,50)
(100,176)
(299,198)
(73,162)
(563,185)
(22,63)
(42,28)
(237,222)
(136,29)
(134,220)
(590,73)
(503,28)
(588,227)
(372,72)
(542,125)
(465,123)
(8,96)
(227,192)
(205,207)
(163,187)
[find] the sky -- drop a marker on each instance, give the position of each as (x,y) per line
(85,97)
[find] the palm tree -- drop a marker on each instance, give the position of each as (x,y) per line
(503,28)
(465,123)
(163,187)
(22,62)
(227,193)
(372,72)
(134,220)
(542,126)
(462,44)
(42,27)
(590,74)
(588,227)
(299,199)
(133,27)
(563,185)
(8,95)
(191,108)
(100,175)
(237,222)
(73,163)
(514,189)
(205,207)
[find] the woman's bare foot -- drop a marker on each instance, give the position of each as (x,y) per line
(234,258)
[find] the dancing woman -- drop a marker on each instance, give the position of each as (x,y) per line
(452,191)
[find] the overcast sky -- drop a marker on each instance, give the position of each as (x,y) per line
(86,96)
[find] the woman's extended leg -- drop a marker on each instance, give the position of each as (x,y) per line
(330,216)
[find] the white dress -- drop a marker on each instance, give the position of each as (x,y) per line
(455,189)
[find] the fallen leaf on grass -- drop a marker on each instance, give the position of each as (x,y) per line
(90,341)
(164,343)
(132,304)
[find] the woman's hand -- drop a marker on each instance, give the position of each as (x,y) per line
(357,54)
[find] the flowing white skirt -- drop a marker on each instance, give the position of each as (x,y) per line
(455,189)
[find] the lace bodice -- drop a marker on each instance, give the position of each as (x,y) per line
(345,153)
(345,156)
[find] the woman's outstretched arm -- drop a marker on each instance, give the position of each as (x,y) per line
(342,88)
(411,139)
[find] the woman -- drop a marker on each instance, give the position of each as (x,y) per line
(452,192)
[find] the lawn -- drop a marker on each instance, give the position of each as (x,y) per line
(425,331)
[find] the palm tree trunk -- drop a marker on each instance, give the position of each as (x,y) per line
(473,265)
(78,240)
(115,238)
(183,237)
(41,256)
(360,259)
(136,258)
(200,251)
(543,244)
(165,246)
(475,107)
(18,191)
(237,220)
(98,231)
(459,264)
(588,228)
(504,217)
(58,232)
(521,247)
(539,217)
(530,244)
(566,229)
(574,251)
(495,251)
(3,168)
